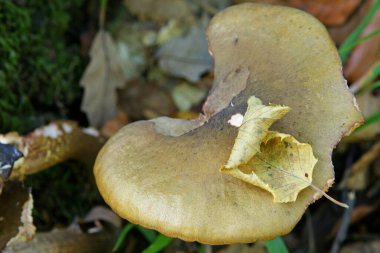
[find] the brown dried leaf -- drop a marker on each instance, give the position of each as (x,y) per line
(329,12)
(100,81)
(340,33)
(144,99)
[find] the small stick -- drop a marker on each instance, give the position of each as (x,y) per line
(345,223)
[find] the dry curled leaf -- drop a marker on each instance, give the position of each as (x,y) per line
(270,160)
(100,80)
(257,120)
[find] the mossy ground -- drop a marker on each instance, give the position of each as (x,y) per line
(40,62)
(40,69)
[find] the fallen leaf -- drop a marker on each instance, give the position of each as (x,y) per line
(340,33)
(186,56)
(100,81)
(329,12)
(145,99)
(257,120)
(270,160)
(283,167)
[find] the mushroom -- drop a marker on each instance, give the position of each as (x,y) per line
(164,174)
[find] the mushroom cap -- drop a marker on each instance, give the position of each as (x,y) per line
(172,183)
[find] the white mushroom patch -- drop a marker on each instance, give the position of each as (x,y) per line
(67,128)
(236,120)
(91,131)
(50,131)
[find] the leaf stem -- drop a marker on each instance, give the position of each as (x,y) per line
(328,197)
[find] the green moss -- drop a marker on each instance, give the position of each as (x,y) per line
(61,194)
(39,68)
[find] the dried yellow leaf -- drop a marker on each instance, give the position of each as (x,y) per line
(273,161)
(283,167)
(256,122)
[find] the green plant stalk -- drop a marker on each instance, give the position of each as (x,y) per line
(123,234)
(160,243)
(366,84)
(373,86)
(150,235)
(369,121)
(348,48)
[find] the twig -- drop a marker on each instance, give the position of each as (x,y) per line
(366,159)
(341,236)
(361,165)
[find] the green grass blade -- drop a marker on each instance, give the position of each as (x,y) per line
(150,235)
(124,232)
(369,121)
(160,243)
(276,245)
(201,248)
(373,86)
(355,35)
(347,49)
(366,82)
